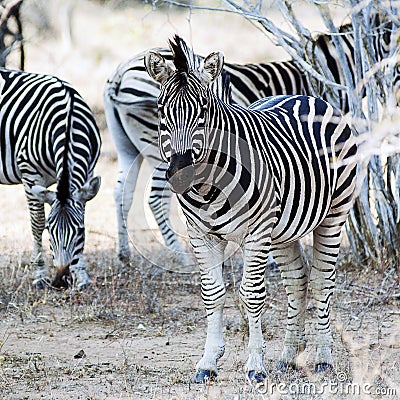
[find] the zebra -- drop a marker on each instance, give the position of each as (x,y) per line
(49,135)
(263,177)
(131,114)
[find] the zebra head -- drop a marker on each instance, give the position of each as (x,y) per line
(183,105)
(65,223)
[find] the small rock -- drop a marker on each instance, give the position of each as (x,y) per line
(80,354)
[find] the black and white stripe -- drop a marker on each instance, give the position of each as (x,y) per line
(131,112)
(268,175)
(49,135)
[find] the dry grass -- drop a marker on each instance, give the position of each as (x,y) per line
(141,329)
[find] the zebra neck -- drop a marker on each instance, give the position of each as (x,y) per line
(223,128)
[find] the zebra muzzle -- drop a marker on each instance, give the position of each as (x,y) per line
(62,261)
(180,173)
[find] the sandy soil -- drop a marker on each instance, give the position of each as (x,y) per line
(139,329)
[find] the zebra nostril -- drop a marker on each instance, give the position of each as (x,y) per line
(181,180)
(168,174)
(181,166)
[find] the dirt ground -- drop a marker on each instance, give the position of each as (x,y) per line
(139,329)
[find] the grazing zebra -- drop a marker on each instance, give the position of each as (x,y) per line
(49,135)
(262,177)
(131,112)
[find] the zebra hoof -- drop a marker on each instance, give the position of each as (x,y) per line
(80,279)
(124,256)
(41,284)
(40,279)
(255,377)
(285,367)
(204,376)
(82,286)
(322,367)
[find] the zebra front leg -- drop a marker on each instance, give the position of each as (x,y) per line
(294,273)
(252,294)
(38,220)
(159,202)
(129,166)
(209,253)
(327,239)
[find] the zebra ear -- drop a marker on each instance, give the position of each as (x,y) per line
(88,190)
(212,67)
(156,66)
(43,194)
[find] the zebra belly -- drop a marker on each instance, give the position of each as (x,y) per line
(231,226)
(288,229)
(292,234)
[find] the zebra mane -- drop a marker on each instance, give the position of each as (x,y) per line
(186,61)
(183,57)
(63,186)
(222,87)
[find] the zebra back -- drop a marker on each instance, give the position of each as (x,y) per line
(48,135)
(45,125)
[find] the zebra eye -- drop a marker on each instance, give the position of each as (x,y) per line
(386,36)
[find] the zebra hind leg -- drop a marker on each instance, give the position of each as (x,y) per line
(252,294)
(294,273)
(129,166)
(327,238)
